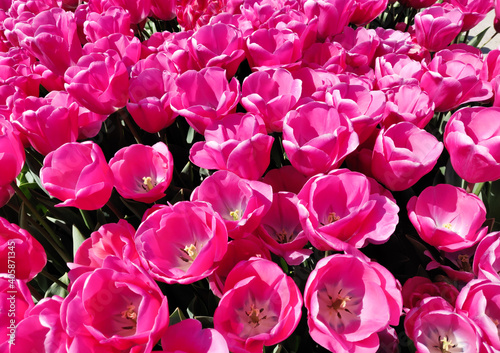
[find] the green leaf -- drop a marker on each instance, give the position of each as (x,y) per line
(176,317)
(56,289)
(190,135)
(477,39)
(78,239)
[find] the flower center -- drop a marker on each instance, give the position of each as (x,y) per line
(235,214)
(130,314)
(339,304)
(147,183)
(445,345)
(191,251)
(282,237)
(254,317)
(332,217)
(448,226)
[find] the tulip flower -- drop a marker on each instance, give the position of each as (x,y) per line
(11,153)
(238,143)
(349,300)
(261,306)
(181,243)
(403,154)
(471,138)
(448,217)
(142,173)
(77,174)
(30,257)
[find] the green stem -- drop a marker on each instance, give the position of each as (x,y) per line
(51,237)
(131,127)
(477,188)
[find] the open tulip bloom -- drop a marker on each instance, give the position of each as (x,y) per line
(249,176)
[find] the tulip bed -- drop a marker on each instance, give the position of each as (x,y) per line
(248,176)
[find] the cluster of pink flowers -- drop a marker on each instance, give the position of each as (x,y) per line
(317,133)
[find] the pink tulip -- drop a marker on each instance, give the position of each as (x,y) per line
(164,10)
(241,203)
(317,137)
(192,14)
(474,11)
(181,243)
(41,329)
(273,48)
(52,31)
(123,292)
(261,306)
(47,126)
(418,288)
(175,46)
(218,45)
(271,94)
(361,212)
(26,254)
(392,70)
(204,96)
(367,10)
(89,123)
(479,300)
(437,26)
(237,250)
(291,17)
(454,78)
(403,154)
(150,94)
(349,300)
(6,193)
(139,10)
(142,173)
(77,174)
(111,239)
(238,143)
(471,137)
(332,16)
(15,301)
(436,324)
(99,82)
(360,45)
(11,153)
(363,106)
(486,265)
(128,48)
(393,41)
(330,56)
(286,178)
(281,230)
(448,217)
(114,20)
(189,333)
(408,103)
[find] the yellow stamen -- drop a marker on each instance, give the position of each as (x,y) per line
(148,183)
(448,226)
(235,214)
(445,345)
(191,251)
